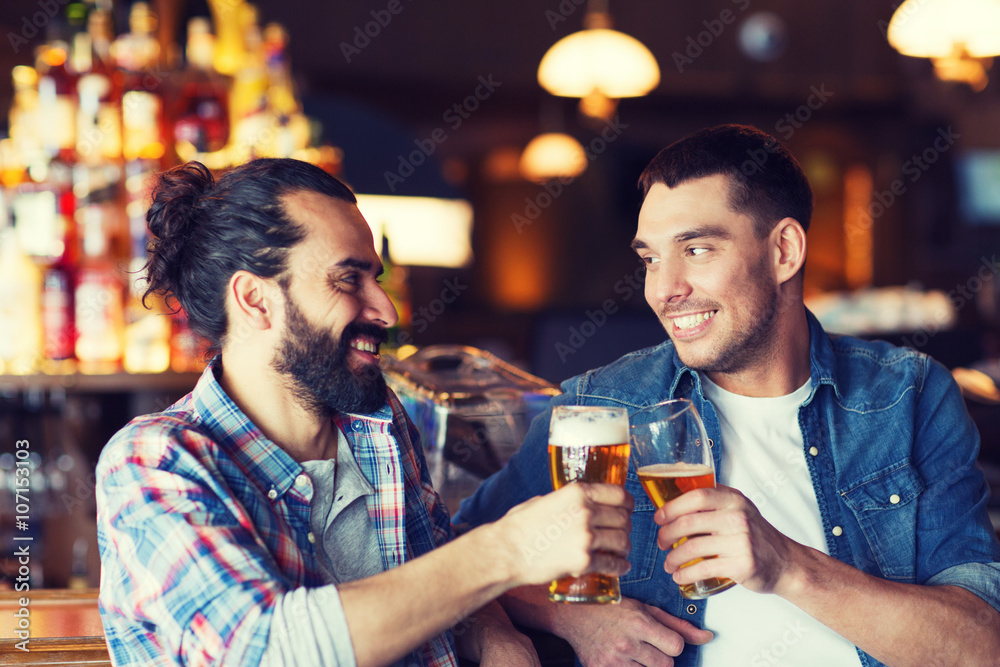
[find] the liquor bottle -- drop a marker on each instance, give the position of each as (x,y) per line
(43,213)
(201,112)
(58,333)
(25,144)
(137,54)
(250,122)
(147,327)
(99,312)
(20,309)
(291,127)
(99,131)
(397,289)
(57,101)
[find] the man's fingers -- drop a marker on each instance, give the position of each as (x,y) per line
(607,563)
(689,632)
(607,494)
(612,541)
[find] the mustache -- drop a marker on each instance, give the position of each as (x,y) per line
(355,329)
(687,307)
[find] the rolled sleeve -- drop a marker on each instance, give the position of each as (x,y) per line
(309,628)
(983,579)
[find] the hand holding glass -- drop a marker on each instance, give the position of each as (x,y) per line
(672,456)
(587,444)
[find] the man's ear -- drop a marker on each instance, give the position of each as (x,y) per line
(789,241)
(250,301)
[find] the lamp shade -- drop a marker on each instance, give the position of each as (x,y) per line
(602,60)
(942,28)
(552,155)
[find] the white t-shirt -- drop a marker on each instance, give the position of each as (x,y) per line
(763,457)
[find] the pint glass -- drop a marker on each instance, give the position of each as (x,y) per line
(672,456)
(587,444)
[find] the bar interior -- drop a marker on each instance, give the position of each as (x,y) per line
(498,175)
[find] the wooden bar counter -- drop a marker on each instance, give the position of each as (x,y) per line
(65,629)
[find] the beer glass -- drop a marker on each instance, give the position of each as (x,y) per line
(587,444)
(672,456)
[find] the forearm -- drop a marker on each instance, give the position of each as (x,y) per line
(392,613)
(898,624)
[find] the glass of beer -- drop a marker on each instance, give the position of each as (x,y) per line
(587,444)
(672,456)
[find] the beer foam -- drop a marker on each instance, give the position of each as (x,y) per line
(676,470)
(589,428)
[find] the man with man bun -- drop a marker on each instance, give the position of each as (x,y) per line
(282,512)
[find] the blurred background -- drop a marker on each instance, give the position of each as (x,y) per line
(427,109)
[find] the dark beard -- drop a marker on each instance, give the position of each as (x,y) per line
(316,366)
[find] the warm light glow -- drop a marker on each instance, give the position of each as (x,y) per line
(957,34)
(422,231)
(607,61)
(932,28)
(552,155)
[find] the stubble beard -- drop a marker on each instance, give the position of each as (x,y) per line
(747,346)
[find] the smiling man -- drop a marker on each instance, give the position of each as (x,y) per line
(849,510)
(282,512)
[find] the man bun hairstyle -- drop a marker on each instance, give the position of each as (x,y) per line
(203,230)
(766,182)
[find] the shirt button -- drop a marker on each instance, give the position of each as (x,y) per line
(691,609)
(837,531)
(312,538)
(302,480)
(272,494)
(813,451)
(894,499)
(358,426)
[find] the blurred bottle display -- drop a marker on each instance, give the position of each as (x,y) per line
(98,299)
(93,118)
(137,54)
(20,308)
(201,112)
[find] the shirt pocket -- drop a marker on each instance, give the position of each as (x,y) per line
(643,555)
(885,506)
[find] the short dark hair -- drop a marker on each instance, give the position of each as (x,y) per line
(203,230)
(766,182)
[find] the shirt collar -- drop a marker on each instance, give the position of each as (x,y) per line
(268,465)
(822,364)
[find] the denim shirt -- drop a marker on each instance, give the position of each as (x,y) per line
(890,447)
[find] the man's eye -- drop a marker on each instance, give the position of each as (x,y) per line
(650,260)
(697,251)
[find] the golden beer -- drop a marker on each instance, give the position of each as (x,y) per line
(665,481)
(607,464)
(587,444)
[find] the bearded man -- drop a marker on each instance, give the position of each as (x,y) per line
(282,512)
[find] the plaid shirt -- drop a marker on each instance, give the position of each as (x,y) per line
(203,523)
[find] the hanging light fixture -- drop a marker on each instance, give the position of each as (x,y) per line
(552,155)
(599,65)
(959,36)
